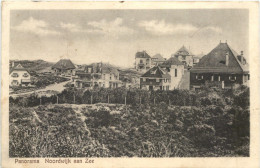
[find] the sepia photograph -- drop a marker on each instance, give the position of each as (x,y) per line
(128,83)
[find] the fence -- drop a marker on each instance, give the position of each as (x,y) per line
(115,96)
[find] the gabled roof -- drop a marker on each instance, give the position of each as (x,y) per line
(142,54)
(103,68)
(171,61)
(18,67)
(158,57)
(64,64)
(156,72)
(215,61)
(183,51)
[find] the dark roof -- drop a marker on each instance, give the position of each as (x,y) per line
(64,64)
(103,68)
(183,51)
(171,61)
(156,72)
(18,67)
(142,54)
(215,61)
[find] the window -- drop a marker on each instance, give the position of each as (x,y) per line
(141,61)
(212,78)
(25,75)
(175,72)
(15,82)
(144,79)
(157,80)
(110,77)
(232,77)
(199,77)
(15,75)
(89,70)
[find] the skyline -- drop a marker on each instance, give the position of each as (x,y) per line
(114,36)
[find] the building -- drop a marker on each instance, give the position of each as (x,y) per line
(143,61)
(157,59)
(19,76)
(175,69)
(222,66)
(98,75)
(64,67)
(197,58)
(155,79)
(185,56)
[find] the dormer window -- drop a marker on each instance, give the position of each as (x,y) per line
(153,72)
(15,75)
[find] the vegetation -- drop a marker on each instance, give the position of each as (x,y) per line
(179,123)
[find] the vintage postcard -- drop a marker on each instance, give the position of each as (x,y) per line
(130,84)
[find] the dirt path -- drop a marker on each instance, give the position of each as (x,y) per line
(58,87)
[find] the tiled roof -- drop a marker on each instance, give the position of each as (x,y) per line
(156,72)
(215,61)
(171,61)
(183,51)
(64,64)
(158,57)
(142,54)
(18,67)
(103,68)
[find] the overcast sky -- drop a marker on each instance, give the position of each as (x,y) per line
(114,36)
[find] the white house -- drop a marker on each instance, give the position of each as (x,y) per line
(98,75)
(19,76)
(143,61)
(176,70)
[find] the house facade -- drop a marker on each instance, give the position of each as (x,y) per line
(185,56)
(64,67)
(143,61)
(175,69)
(222,66)
(19,76)
(98,75)
(155,79)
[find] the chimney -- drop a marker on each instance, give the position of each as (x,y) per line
(227,58)
(242,58)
